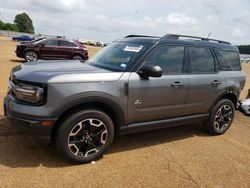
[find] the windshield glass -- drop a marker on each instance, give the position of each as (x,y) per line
(37,41)
(118,56)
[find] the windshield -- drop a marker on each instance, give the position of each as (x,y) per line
(118,56)
(37,41)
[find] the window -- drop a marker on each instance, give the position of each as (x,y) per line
(224,65)
(67,43)
(118,56)
(232,58)
(52,43)
(169,58)
(201,60)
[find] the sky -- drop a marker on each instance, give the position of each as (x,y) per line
(108,20)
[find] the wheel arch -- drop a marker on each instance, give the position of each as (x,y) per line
(107,106)
(231,93)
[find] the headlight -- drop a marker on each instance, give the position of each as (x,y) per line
(27,93)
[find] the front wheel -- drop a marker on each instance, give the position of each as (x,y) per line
(85,136)
(220,118)
(30,56)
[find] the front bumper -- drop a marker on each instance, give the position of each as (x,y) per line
(30,125)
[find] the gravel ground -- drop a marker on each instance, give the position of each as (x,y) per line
(182,156)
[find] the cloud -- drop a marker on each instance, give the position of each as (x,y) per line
(108,20)
(178,19)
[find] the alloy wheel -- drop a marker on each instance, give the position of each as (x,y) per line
(87,137)
(223,117)
(31,56)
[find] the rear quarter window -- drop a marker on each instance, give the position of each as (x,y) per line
(229,61)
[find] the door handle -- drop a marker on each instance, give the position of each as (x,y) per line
(177,84)
(216,82)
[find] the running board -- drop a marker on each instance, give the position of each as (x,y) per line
(159,124)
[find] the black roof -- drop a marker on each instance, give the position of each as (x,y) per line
(181,39)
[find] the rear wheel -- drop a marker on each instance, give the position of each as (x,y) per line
(85,136)
(77,57)
(31,56)
(220,118)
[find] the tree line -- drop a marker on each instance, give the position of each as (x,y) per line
(22,23)
(244,49)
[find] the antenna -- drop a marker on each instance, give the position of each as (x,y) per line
(209,35)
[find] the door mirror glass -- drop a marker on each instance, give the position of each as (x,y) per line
(150,71)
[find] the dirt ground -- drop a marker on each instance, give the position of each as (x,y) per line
(176,157)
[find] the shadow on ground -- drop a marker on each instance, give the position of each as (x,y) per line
(18,151)
(17,61)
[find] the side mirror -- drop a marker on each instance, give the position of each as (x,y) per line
(150,71)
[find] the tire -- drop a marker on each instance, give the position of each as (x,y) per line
(220,118)
(85,136)
(77,57)
(30,56)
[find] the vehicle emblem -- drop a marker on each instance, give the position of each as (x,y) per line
(138,101)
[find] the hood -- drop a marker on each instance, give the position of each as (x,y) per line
(62,71)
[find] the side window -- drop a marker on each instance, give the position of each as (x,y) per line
(52,43)
(224,64)
(233,59)
(169,58)
(67,43)
(201,60)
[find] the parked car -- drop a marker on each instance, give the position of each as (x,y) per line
(22,38)
(34,40)
(137,83)
(52,49)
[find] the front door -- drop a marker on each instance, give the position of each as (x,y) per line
(50,50)
(159,98)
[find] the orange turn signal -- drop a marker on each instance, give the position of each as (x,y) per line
(46,123)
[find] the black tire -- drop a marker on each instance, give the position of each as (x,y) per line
(30,56)
(77,57)
(76,137)
(220,118)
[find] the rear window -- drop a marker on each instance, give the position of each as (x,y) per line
(67,43)
(229,61)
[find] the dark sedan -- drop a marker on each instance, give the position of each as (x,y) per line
(52,49)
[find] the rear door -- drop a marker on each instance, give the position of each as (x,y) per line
(205,80)
(50,49)
(159,98)
(66,48)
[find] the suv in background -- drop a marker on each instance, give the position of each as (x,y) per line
(138,83)
(52,49)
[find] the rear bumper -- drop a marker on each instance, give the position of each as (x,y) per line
(31,125)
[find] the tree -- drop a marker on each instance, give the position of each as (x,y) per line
(24,23)
(244,49)
(8,26)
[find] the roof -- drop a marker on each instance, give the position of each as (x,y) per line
(181,39)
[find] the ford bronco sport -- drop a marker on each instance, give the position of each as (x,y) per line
(137,83)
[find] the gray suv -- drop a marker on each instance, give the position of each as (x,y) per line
(137,83)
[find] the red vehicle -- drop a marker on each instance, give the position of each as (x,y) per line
(52,49)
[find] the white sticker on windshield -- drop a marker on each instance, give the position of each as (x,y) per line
(132,48)
(123,65)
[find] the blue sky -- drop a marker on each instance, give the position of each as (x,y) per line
(107,20)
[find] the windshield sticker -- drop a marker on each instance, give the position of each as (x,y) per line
(132,48)
(123,65)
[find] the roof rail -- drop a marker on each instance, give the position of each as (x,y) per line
(130,36)
(176,37)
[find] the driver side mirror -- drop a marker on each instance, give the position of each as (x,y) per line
(150,71)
